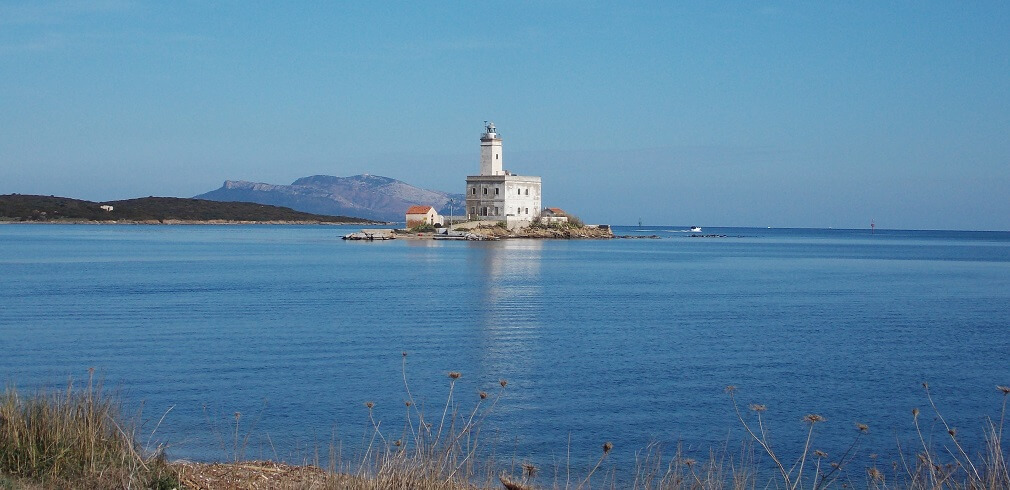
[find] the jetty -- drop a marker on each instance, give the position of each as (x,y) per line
(371,234)
(446,234)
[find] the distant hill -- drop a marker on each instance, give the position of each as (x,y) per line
(368,196)
(17,207)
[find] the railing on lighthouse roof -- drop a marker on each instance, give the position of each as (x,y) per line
(489,131)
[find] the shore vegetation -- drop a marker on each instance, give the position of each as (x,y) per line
(422,228)
(78,438)
(74,438)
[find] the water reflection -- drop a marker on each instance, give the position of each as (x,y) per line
(511,303)
(424,253)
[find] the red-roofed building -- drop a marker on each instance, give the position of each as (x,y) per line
(553,215)
(422,215)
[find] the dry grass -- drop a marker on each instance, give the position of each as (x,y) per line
(73,438)
(437,452)
(76,438)
(930,463)
(256,475)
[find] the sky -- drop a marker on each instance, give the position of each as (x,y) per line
(782,114)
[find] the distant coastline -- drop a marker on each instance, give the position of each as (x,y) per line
(18,208)
(170,222)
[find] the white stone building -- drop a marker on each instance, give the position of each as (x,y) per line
(553,215)
(422,215)
(496,194)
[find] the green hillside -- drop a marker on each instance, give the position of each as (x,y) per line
(17,207)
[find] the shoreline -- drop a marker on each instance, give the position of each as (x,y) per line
(490,233)
(190,222)
(512,236)
(590,232)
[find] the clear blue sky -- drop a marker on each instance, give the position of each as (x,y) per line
(810,114)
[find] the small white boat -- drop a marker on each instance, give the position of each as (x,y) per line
(695,229)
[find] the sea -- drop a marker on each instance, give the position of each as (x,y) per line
(271,341)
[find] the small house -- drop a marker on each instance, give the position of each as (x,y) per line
(422,215)
(553,215)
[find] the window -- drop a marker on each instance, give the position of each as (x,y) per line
(527,210)
(527,192)
(496,191)
(496,210)
(473,209)
(485,191)
(496,156)
(484,211)
(473,190)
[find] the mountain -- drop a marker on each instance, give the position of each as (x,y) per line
(369,196)
(19,207)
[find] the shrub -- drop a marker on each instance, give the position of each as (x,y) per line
(69,437)
(423,228)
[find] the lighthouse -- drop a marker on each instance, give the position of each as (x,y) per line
(497,194)
(490,151)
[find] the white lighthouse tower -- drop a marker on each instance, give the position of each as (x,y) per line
(499,195)
(490,151)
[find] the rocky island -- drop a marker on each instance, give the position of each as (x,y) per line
(542,231)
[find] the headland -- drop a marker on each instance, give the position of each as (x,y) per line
(19,208)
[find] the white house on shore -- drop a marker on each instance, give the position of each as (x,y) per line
(422,215)
(553,215)
(497,194)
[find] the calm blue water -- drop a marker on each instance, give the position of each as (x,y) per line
(629,341)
